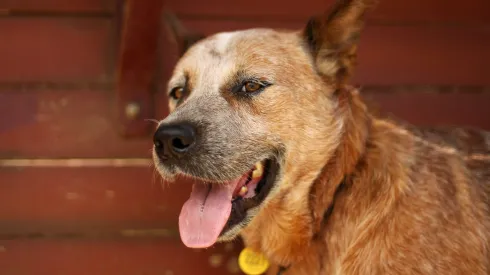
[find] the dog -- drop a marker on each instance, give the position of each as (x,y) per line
(286,154)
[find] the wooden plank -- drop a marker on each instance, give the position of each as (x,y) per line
(451,12)
(388,12)
(424,55)
(138,64)
(393,11)
(75,201)
(428,106)
(110,258)
(80,50)
(55,49)
(390,55)
(55,5)
(81,123)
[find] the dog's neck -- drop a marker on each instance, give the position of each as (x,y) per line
(289,241)
(350,150)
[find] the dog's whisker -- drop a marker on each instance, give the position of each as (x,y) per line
(152,120)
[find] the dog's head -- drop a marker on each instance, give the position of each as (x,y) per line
(254,118)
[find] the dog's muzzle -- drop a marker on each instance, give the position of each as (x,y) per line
(215,205)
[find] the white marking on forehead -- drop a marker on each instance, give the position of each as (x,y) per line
(222,41)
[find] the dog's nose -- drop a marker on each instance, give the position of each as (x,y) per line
(174,140)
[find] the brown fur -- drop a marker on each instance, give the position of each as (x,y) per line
(358,194)
(415,202)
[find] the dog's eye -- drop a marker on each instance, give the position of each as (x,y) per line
(251,87)
(177,93)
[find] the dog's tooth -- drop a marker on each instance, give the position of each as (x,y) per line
(258,171)
(243,191)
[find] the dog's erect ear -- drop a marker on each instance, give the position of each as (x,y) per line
(179,34)
(332,38)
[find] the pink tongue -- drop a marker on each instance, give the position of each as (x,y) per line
(205,213)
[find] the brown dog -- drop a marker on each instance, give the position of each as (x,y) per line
(290,158)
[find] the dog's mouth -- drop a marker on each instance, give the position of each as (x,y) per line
(214,208)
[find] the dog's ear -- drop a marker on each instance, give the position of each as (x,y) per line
(179,34)
(332,38)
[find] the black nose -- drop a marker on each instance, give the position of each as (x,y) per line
(174,140)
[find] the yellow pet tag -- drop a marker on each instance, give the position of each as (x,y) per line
(252,263)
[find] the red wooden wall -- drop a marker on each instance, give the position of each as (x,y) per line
(78,198)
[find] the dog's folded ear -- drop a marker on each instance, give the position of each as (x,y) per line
(179,34)
(332,37)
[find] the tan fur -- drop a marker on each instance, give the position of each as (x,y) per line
(357,194)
